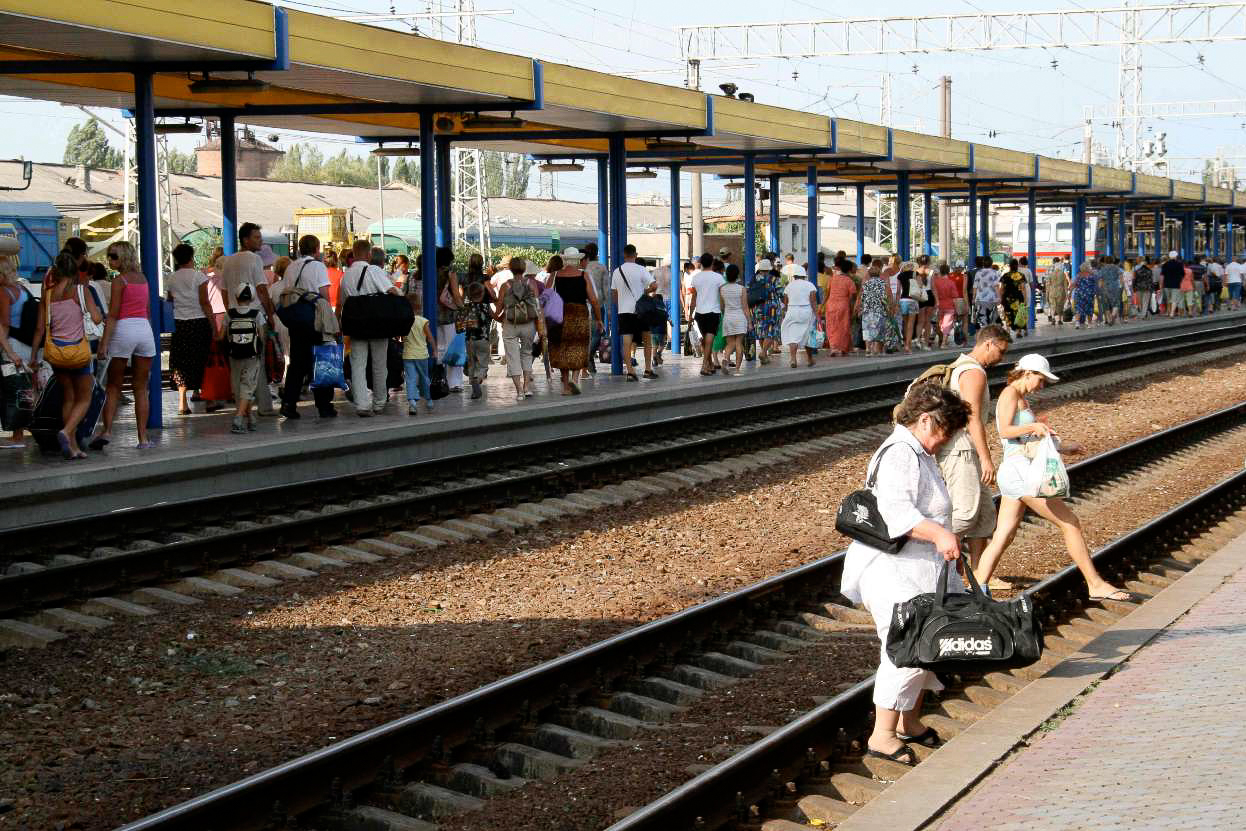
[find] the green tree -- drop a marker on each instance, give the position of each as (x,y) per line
(505,174)
(88,145)
(301,163)
(180,162)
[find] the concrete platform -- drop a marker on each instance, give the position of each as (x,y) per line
(196,456)
(1149,747)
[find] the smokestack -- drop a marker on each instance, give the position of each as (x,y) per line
(84,178)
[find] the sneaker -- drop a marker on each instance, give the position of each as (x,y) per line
(364,413)
(329,413)
(253,421)
(476,391)
(237,426)
(411,410)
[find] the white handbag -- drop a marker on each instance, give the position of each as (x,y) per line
(93,330)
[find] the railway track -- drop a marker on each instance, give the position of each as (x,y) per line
(60,564)
(545,721)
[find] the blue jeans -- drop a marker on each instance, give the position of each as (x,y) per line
(417,378)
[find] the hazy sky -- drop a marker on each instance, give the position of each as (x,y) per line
(1029,105)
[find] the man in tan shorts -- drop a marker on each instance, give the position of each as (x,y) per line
(966,458)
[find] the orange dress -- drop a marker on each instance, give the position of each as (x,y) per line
(840,294)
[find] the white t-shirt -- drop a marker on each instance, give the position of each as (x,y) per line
(706,283)
(1216,269)
(798,291)
(630,280)
(184,285)
(1235,271)
(244,267)
(499,279)
(374,281)
(662,276)
(306,274)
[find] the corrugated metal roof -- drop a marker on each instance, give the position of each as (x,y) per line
(42,210)
(197,201)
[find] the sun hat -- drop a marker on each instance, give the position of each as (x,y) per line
(1035,362)
(765,265)
(571,254)
(267,256)
(799,271)
(724,252)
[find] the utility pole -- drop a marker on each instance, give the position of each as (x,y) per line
(945,129)
(693,81)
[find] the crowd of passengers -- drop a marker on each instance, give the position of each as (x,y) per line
(520,312)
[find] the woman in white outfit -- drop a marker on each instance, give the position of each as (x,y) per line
(912,500)
(736,319)
(800,298)
(1018,426)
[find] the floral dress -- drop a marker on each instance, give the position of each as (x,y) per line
(1084,294)
(874,317)
(768,317)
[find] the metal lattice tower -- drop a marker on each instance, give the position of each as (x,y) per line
(1128,26)
(885,204)
(164,198)
(471,203)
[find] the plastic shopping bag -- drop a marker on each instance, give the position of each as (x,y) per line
(1047,475)
(720,340)
(815,338)
(456,352)
(327,366)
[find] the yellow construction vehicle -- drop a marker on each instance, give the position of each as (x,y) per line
(335,227)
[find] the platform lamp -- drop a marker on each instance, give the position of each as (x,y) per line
(172,128)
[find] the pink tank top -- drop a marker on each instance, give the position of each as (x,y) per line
(67,320)
(134,301)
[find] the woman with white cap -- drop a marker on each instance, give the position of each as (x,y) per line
(1018,426)
(800,298)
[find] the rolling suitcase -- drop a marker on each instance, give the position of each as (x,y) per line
(46,420)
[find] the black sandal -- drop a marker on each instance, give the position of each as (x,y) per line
(904,755)
(631,376)
(650,374)
(926,738)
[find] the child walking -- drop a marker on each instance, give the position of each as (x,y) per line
(415,354)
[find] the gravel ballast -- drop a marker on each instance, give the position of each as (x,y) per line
(104,729)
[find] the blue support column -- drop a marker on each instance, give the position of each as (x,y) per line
(1079,234)
(973,228)
(603,214)
(774,214)
(229,185)
(1110,237)
(984,226)
(927,223)
(1158,236)
(1215,236)
(750,220)
(1031,251)
(428,215)
(860,223)
(904,219)
(1187,235)
(1228,236)
(618,239)
(811,203)
(445,218)
(1122,247)
(148,225)
(677,271)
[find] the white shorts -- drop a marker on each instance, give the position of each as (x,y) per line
(132,337)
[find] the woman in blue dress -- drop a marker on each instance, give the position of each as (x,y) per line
(1085,290)
(768,317)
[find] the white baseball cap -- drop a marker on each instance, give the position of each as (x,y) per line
(764,265)
(799,271)
(724,252)
(1172,255)
(1035,362)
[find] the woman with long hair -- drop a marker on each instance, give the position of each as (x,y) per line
(127,340)
(841,291)
(569,341)
(449,302)
(1018,425)
(62,334)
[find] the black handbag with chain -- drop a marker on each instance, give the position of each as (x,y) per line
(966,632)
(858,517)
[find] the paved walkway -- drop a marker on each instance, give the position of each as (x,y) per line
(1155,746)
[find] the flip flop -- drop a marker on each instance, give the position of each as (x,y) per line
(63,441)
(1128,598)
(904,755)
(926,738)
(99,442)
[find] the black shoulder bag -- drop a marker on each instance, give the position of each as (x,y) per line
(858,517)
(964,632)
(376,315)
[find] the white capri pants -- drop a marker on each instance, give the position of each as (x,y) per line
(359,386)
(445,334)
(517,341)
(895,688)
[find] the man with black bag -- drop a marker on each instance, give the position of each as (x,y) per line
(363,321)
(305,278)
(631,282)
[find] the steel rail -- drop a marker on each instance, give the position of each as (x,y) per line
(412,497)
(429,735)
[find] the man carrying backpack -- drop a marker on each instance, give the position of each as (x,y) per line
(966,457)
(519,315)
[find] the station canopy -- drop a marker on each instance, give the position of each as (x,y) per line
(321,75)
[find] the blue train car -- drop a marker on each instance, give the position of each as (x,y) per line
(36,226)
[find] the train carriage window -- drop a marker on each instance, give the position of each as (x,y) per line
(1064,232)
(1042,233)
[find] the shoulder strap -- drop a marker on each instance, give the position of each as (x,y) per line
(626,282)
(869,483)
(298,277)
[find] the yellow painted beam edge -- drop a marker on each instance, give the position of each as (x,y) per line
(584,90)
(240,27)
